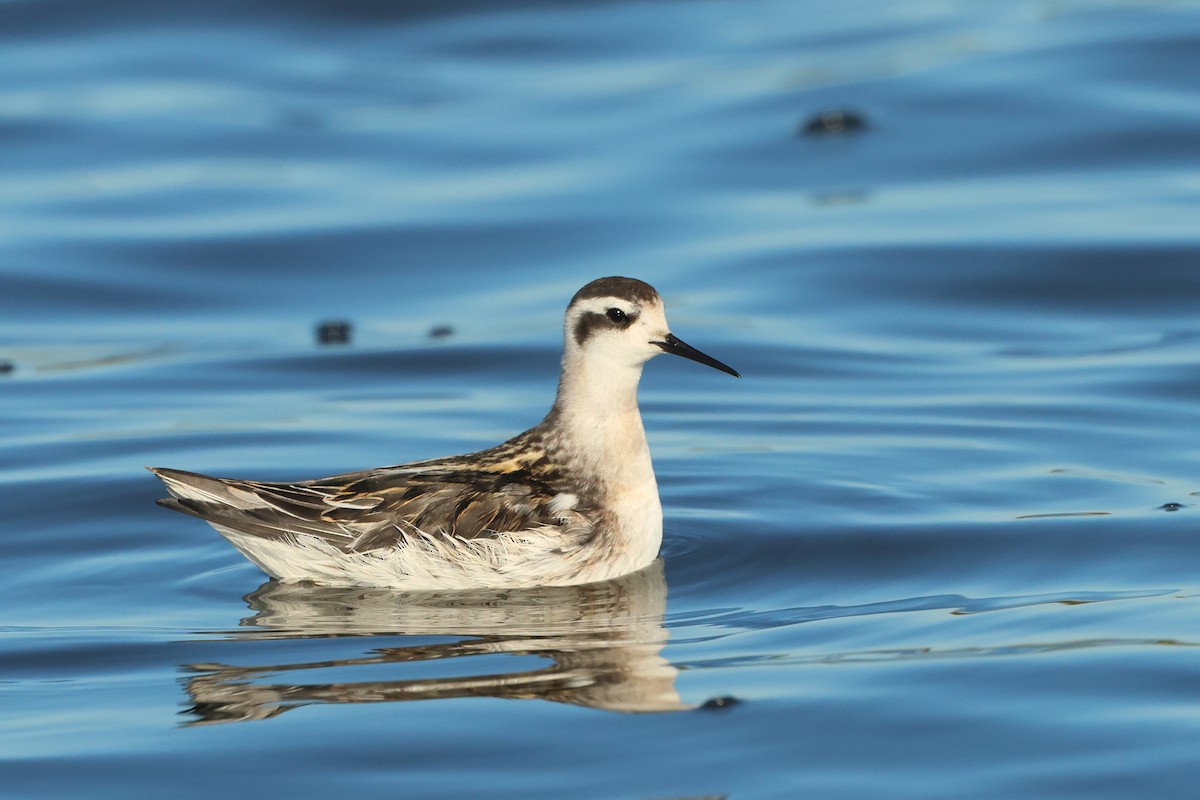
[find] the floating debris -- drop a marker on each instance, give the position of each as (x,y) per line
(334,332)
(844,197)
(6,367)
(1066,514)
(441,332)
(1171,507)
(301,119)
(719,703)
(833,122)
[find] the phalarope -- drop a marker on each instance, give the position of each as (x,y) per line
(571,500)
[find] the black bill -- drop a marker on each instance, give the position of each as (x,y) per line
(678,347)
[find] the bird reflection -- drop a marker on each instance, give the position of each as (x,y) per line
(602,642)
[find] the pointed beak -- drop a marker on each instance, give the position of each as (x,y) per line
(677,347)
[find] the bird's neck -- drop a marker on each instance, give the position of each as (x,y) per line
(598,432)
(598,423)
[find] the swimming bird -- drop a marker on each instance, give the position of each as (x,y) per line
(572,500)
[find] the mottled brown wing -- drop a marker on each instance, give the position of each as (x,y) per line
(368,510)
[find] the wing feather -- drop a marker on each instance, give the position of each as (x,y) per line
(364,511)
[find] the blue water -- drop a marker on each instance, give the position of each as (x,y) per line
(941,540)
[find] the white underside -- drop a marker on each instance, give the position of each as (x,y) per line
(519,560)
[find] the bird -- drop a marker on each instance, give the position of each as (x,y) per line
(572,500)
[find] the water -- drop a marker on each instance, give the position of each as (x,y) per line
(940,540)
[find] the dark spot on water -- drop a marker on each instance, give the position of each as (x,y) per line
(334,332)
(1066,514)
(834,121)
(301,120)
(441,332)
(844,197)
(719,703)
(1171,507)
(6,367)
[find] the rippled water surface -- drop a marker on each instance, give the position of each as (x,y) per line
(941,540)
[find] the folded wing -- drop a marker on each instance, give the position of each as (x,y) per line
(373,509)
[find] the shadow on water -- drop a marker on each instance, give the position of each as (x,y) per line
(603,642)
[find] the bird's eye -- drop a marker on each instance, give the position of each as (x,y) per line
(616,315)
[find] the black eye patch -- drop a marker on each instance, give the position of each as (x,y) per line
(589,323)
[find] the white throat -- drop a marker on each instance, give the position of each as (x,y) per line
(596,413)
(599,429)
